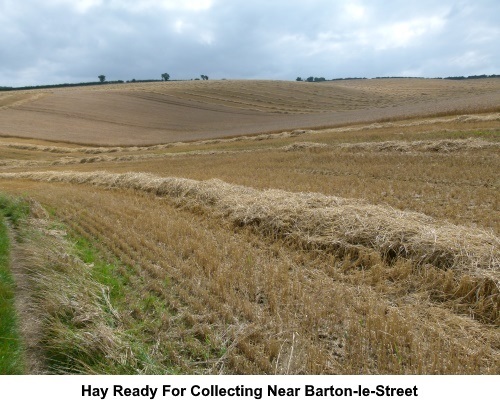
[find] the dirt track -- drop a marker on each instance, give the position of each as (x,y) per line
(168,112)
(30,326)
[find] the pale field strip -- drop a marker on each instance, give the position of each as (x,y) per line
(303,98)
(439,146)
(281,135)
(317,220)
(277,90)
(11,100)
(278,101)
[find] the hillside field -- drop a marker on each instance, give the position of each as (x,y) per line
(254,227)
(152,113)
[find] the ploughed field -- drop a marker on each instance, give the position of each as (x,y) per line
(369,244)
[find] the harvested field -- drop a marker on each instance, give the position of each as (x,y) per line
(368,248)
(154,113)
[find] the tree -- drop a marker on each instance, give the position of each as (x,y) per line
(165,76)
(204,77)
(310,79)
(299,79)
(102,78)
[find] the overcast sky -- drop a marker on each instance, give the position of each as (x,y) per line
(59,41)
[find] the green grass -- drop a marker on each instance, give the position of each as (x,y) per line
(11,351)
(15,209)
(106,289)
(108,271)
(104,271)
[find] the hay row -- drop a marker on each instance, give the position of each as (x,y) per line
(315,221)
(296,146)
(438,146)
(116,149)
(106,158)
(435,146)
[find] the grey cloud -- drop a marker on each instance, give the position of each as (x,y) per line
(57,41)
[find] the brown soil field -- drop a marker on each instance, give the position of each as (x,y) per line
(146,114)
(369,247)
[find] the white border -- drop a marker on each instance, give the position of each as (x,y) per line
(68,389)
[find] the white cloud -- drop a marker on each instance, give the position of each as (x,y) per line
(406,33)
(191,5)
(84,5)
(240,38)
(194,31)
(179,26)
(81,6)
(354,11)
(177,5)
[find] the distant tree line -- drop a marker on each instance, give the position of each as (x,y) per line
(445,78)
(471,77)
(53,86)
(311,79)
(143,80)
(102,80)
(322,79)
(166,77)
(350,78)
(398,77)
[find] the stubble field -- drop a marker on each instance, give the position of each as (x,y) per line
(353,229)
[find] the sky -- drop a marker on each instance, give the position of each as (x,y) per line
(70,41)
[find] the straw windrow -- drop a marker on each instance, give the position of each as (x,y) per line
(435,146)
(313,220)
(439,146)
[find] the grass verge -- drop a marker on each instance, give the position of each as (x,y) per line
(81,299)
(74,328)
(79,296)
(11,350)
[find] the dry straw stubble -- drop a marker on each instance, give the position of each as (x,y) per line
(316,220)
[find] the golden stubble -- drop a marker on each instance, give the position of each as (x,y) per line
(238,302)
(364,249)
